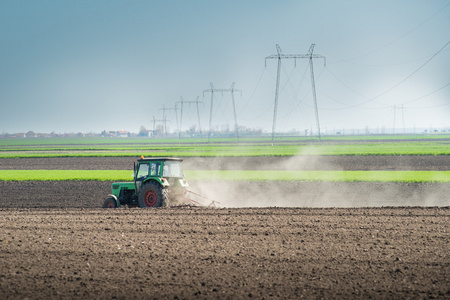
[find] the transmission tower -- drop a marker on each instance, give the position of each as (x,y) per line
(279,56)
(403,119)
(181,114)
(395,108)
(393,127)
(212,91)
(164,109)
(154,124)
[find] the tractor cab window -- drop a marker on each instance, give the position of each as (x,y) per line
(172,169)
(143,171)
(154,169)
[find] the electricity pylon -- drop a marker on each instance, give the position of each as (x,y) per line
(212,91)
(279,56)
(181,114)
(154,124)
(395,108)
(393,127)
(313,85)
(403,119)
(164,116)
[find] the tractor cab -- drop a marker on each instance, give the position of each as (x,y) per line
(166,171)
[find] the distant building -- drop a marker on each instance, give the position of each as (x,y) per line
(30,134)
(122,133)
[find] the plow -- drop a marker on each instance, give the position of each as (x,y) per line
(192,202)
(158,182)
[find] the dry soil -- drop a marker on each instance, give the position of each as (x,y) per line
(55,241)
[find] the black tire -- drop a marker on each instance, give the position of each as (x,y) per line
(152,194)
(110,203)
(165,202)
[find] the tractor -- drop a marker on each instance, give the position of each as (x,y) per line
(158,182)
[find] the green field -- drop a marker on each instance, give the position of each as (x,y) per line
(112,140)
(133,147)
(334,176)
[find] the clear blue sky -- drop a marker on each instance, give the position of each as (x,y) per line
(79,65)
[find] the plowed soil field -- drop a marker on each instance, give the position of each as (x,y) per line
(382,162)
(387,253)
(55,241)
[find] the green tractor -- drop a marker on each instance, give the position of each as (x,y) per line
(158,182)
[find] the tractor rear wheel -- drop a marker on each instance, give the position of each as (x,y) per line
(110,203)
(153,194)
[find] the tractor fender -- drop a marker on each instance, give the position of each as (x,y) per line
(161,181)
(115,198)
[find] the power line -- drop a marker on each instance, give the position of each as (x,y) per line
(435,91)
(432,106)
(245,104)
(393,87)
(388,106)
(402,36)
(409,76)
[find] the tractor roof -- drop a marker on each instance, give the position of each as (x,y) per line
(160,159)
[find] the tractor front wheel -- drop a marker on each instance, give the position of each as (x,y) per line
(110,203)
(153,194)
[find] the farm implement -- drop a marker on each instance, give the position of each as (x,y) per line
(158,182)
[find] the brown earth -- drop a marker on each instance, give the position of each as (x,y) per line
(56,243)
(238,194)
(437,163)
(194,253)
(90,194)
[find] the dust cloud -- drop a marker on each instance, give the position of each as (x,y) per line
(232,194)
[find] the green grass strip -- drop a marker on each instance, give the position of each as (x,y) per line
(85,175)
(325,176)
(330,176)
(268,139)
(214,150)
